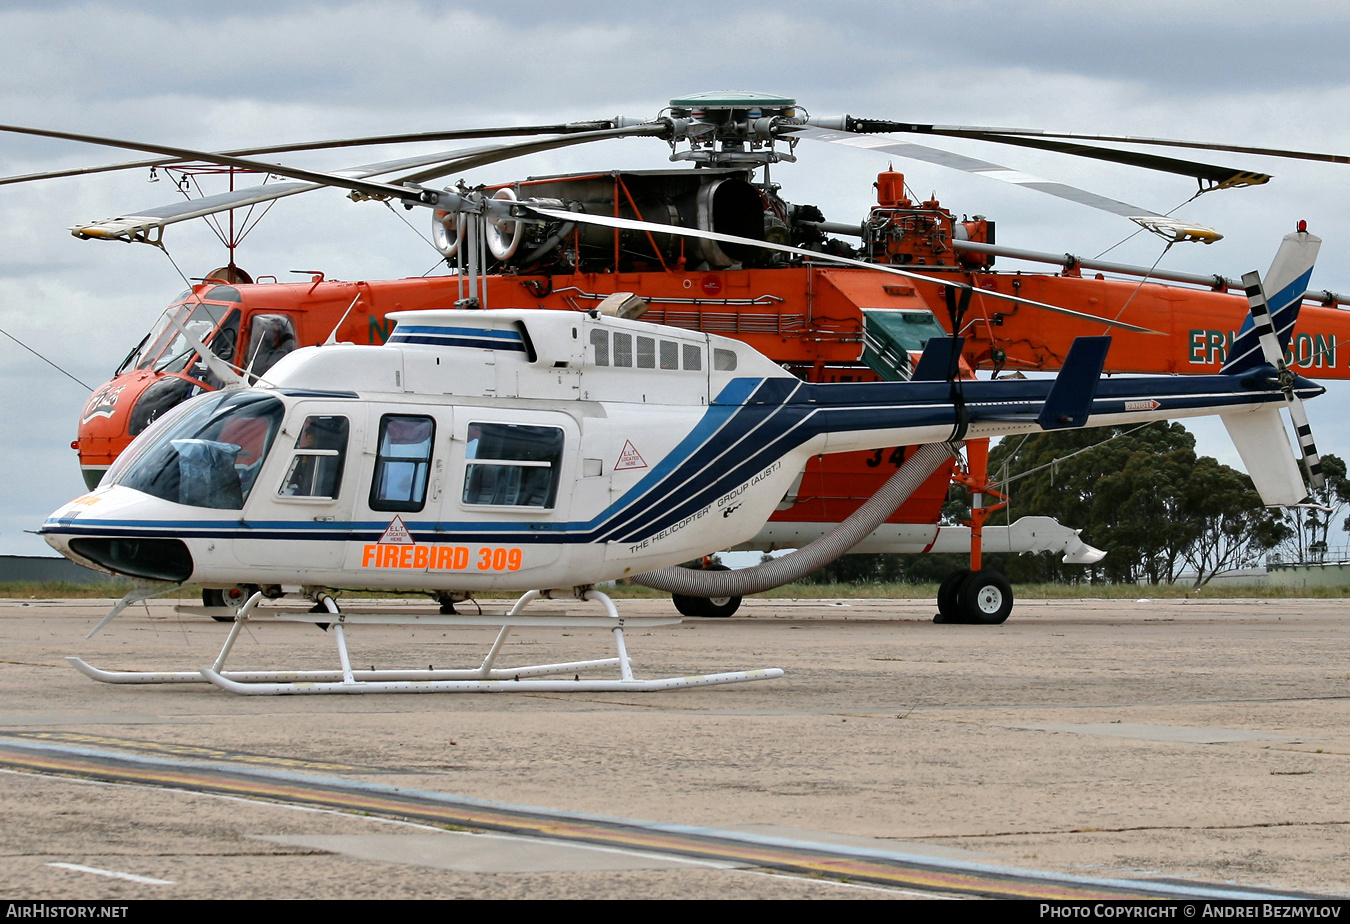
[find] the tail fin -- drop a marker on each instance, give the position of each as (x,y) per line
(1283,296)
(1263,443)
(1070,400)
(940,360)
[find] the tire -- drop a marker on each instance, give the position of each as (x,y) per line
(948,610)
(232,597)
(707,607)
(691,607)
(721,607)
(986,599)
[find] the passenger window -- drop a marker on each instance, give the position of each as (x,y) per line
(670,354)
(693,358)
(510,465)
(623,349)
(646,353)
(403,463)
(600,340)
(320,453)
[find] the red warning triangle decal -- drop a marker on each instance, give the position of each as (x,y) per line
(629,458)
(397,534)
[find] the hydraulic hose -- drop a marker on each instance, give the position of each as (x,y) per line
(864,521)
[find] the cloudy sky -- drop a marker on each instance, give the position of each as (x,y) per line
(190,74)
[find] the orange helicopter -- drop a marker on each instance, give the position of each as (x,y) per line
(824,321)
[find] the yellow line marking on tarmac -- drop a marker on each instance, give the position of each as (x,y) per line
(194,752)
(255,783)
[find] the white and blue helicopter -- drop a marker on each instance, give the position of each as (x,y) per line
(547,452)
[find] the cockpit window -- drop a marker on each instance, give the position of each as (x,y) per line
(223,343)
(209,457)
(166,350)
(224,294)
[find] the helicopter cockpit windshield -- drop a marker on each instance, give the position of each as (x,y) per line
(164,349)
(210,456)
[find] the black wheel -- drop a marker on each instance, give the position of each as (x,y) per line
(986,598)
(948,611)
(689,606)
(721,607)
(232,597)
(707,607)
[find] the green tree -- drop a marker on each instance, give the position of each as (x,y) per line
(1141,494)
(1309,527)
(1122,488)
(1235,529)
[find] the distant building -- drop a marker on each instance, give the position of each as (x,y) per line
(39,568)
(1322,574)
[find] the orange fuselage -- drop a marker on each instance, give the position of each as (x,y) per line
(809,318)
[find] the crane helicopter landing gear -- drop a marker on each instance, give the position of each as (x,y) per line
(974,595)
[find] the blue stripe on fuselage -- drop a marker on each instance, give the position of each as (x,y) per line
(749,425)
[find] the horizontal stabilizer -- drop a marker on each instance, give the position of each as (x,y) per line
(939,361)
(1263,443)
(1070,400)
(1025,536)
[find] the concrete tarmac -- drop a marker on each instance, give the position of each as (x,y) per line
(1199,740)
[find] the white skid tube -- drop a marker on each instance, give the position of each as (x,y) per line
(486,678)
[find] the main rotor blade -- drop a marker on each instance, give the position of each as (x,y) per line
(138,224)
(127,226)
(1218,177)
(978,167)
(295,173)
(1174,143)
(628,224)
(520,149)
(566,128)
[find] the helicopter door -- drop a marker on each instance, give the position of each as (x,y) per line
(309,490)
(514,497)
(401,490)
(270,337)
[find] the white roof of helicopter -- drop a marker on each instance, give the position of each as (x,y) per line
(522,353)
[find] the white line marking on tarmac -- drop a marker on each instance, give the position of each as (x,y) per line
(395,822)
(112,874)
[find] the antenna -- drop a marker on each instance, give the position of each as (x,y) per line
(332,337)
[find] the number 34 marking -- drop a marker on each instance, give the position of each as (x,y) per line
(897,457)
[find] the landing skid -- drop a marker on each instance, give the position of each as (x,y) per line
(486,678)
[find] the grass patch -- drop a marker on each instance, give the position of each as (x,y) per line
(66,590)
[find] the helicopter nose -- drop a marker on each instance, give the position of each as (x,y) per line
(117,412)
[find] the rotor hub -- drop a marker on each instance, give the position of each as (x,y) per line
(732,128)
